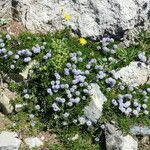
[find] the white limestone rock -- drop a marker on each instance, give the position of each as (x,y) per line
(26,72)
(9,141)
(19,107)
(135,74)
(128,143)
(6,97)
(5,9)
(98,16)
(33,142)
(94,110)
(115,140)
(113,137)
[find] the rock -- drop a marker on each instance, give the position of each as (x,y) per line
(144,143)
(113,137)
(135,74)
(137,130)
(26,72)
(6,97)
(5,9)
(94,110)
(116,141)
(145,140)
(129,143)
(19,107)
(114,17)
(9,141)
(75,137)
(33,142)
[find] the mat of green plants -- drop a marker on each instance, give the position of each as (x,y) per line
(58,86)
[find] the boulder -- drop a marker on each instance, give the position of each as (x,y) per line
(94,110)
(113,17)
(115,140)
(9,141)
(135,74)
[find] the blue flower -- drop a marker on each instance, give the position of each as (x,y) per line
(45,57)
(2,44)
(68,65)
(8,37)
(12,66)
(66,71)
(27,59)
(26,96)
(111,82)
(4,50)
(36,49)
(49,55)
(142,57)
(10,53)
(57,76)
(16,56)
(5,56)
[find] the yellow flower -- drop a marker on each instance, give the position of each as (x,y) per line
(67,17)
(83,41)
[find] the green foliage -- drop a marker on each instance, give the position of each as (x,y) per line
(60,52)
(61,44)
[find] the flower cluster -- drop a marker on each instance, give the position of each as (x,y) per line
(76,87)
(106,41)
(66,89)
(23,56)
(128,104)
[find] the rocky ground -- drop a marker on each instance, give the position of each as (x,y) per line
(20,129)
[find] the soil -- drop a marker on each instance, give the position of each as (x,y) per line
(14,28)
(4,122)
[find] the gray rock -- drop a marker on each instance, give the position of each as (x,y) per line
(19,107)
(135,74)
(24,74)
(33,142)
(27,70)
(6,98)
(116,141)
(9,141)
(99,16)
(128,143)
(113,137)
(5,9)
(94,110)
